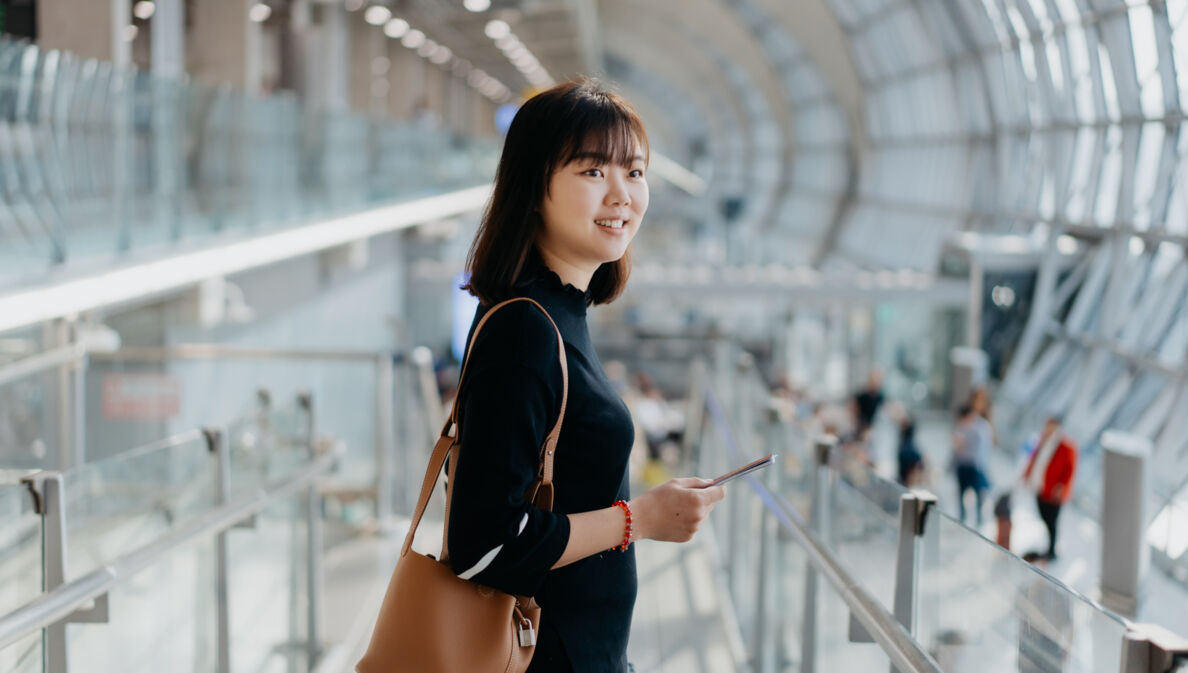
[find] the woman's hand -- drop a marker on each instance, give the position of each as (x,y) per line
(674,510)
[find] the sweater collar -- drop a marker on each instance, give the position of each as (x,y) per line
(537,273)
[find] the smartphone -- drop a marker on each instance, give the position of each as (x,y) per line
(746,469)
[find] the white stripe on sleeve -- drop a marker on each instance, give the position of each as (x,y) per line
(490,556)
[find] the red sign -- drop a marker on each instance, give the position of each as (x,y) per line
(140,397)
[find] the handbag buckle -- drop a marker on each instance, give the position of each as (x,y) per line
(527,634)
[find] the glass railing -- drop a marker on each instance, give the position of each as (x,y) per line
(28,426)
(381,407)
(97,163)
(195,553)
(128,500)
(1168,533)
(374,403)
(797,603)
(966,602)
(20,571)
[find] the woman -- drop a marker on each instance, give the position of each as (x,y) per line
(570,194)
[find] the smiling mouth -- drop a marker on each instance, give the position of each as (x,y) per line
(611,224)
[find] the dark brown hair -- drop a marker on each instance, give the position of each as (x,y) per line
(570,120)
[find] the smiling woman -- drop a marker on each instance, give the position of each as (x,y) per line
(574,154)
(570,194)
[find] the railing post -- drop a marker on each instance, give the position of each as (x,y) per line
(822,482)
(1150,648)
(385,450)
(694,412)
(216,443)
(51,504)
(313,550)
(770,576)
(913,515)
(49,497)
(78,408)
(739,534)
(734,537)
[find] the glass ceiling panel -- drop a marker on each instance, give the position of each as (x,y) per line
(1177,12)
(1146,60)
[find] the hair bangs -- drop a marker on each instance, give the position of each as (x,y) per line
(605,132)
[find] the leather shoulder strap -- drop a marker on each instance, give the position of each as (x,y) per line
(453,420)
(447,441)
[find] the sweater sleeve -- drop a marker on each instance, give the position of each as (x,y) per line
(509,403)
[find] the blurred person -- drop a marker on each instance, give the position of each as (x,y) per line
(866,402)
(1002,520)
(971,452)
(911,461)
(662,428)
(569,196)
(1050,473)
(983,406)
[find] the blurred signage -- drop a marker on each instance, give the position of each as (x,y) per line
(140,396)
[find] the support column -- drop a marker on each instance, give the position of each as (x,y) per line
(168,61)
(1125,554)
(169,39)
(970,371)
(77,27)
(224,44)
(405,79)
(295,65)
(362,56)
(335,58)
(977,290)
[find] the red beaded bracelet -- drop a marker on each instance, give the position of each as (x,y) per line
(626,533)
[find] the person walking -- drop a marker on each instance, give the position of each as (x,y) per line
(1051,471)
(570,194)
(865,404)
(911,462)
(972,441)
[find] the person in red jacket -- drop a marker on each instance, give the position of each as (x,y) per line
(1050,473)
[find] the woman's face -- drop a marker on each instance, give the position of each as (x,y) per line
(593,209)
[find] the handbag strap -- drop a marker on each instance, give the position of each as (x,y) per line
(448,440)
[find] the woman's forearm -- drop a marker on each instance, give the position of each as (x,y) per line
(593,532)
(670,512)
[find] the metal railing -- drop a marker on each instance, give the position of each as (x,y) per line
(931,593)
(243,486)
(890,633)
(403,403)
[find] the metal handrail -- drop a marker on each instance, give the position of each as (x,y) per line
(907,654)
(60,603)
(901,648)
(222,351)
(41,362)
(67,355)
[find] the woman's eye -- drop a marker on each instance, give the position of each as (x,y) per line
(594,172)
(636,173)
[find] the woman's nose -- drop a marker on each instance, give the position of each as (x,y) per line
(617,194)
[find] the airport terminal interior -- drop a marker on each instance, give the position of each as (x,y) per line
(919,249)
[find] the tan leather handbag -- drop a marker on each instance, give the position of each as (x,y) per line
(431,621)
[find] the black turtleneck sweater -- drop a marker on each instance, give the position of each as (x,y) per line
(510,400)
